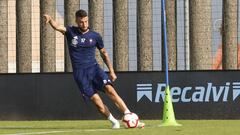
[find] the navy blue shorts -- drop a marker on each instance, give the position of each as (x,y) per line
(90,80)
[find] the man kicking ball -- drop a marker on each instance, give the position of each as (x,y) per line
(88,75)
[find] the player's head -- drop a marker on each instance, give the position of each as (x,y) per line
(82,20)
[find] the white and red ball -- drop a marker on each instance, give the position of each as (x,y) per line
(130,120)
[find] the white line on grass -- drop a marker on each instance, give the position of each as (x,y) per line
(38,133)
(54,132)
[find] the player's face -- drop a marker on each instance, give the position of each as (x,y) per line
(82,23)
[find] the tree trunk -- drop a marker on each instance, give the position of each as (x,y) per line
(200,34)
(70,8)
(230,49)
(23,36)
(144,35)
(4,36)
(47,37)
(96,21)
(171,34)
(120,35)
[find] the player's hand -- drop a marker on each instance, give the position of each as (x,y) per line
(113,76)
(47,18)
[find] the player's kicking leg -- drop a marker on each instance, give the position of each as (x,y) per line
(111,92)
(103,109)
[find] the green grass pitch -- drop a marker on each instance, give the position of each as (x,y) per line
(102,127)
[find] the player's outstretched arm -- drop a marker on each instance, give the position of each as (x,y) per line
(56,26)
(107,61)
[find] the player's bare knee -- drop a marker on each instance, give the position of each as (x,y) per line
(111,93)
(110,90)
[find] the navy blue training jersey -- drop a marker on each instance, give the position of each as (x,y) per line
(82,46)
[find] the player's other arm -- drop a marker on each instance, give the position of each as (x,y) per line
(107,61)
(55,25)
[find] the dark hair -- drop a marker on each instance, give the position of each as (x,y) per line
(81,13)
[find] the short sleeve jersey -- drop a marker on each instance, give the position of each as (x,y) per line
(82,46)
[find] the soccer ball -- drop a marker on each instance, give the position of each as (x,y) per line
(130,120)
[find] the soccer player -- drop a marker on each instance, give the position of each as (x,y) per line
(90,78)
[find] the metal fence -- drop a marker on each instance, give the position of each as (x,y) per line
(183,43)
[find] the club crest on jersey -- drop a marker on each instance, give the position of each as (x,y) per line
(74,41)
(83,40)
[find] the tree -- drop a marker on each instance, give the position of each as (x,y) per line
(120,35)
(144,35)
(171,33)
(230,26)
(200,34)
(23,36)
(47,38)
(96,21)
(3,36)
(70,7)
